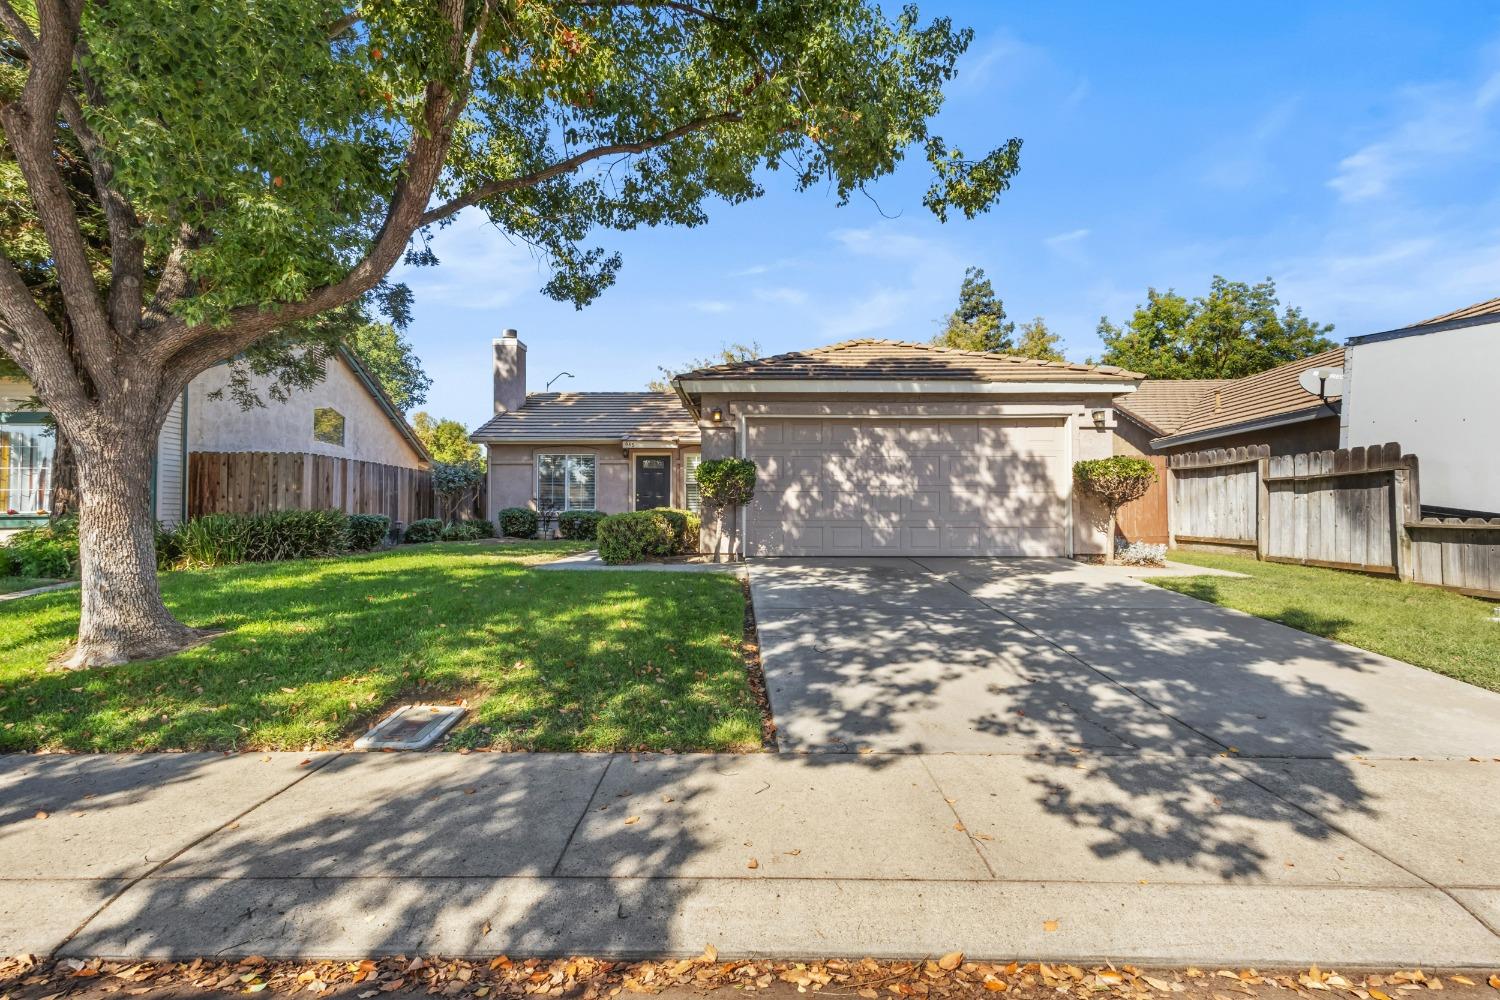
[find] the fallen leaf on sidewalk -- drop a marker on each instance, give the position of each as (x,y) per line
(753,864)
(40,814)
(1495,980)
(632,820)
(1049,926)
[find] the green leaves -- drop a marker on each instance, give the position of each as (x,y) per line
(1232,332)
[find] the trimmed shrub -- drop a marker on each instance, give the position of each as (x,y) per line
(221,539)
(518,522)
(635,536)
(467,531)
(366,531)
(425,530)
(581,525)
(727,482)
(48,550)
(1115,481)
(685,525)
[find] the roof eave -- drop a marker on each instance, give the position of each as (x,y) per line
(1245,426)
(384,401)
(1112,384)
(1418,329)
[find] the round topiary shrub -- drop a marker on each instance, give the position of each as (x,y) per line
(635,537)
(518,522)
(1115,481)
(426,530)
(727,482)
(580,525)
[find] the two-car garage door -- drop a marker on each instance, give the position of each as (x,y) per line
(882,486)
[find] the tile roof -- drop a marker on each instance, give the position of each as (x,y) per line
(1490,307)
(1262,396)
(591,416)
(1162,404)
(895,359)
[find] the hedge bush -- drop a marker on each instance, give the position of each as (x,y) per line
(48,550)
(221,539)
(518,522)
(426,529)
(582,525)
(467,531)
(366,531)
(685,525)
(727,482)
(635,536)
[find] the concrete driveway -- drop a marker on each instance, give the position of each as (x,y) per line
(1037,655)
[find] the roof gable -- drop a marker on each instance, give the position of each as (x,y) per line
(900,360)
(1162,404)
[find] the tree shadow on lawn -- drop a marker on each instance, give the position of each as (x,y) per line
(1209,590)
(551,661)
(538,854)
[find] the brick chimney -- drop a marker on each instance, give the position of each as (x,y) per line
(510,372)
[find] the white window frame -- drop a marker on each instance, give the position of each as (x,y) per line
(569,458)
(690,462)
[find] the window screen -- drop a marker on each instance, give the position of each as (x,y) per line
(565,482)
(694,498)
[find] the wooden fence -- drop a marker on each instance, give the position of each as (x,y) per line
(1355,508)
(1147,519)
(249,482)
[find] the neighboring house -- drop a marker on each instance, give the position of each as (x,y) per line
(609,451)
(1172,416)
(347,415)
(1434,387)
(868,447)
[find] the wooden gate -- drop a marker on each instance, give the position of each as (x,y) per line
(1145,520)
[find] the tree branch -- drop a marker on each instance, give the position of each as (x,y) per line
(33,342)
(572,163)
(676,5)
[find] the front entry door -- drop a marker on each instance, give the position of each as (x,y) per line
(653,481)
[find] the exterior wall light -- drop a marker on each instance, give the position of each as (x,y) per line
(716,415)
(1098,416)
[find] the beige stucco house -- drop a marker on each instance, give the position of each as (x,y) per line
(346,415)
(868,447)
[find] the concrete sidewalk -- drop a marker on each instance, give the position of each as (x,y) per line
(1130,857)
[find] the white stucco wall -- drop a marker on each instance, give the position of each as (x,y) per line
(369,435)
(1438,395)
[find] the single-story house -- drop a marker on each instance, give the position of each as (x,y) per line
(1434,387)
(1173,416)
(346,415)
(867,447)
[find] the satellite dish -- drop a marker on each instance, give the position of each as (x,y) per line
(1322,382)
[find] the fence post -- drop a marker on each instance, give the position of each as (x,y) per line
(1262,508)
(1401,513)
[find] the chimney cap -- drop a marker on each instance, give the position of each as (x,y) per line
(510,333)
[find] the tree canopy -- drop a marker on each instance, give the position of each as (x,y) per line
(727,354)
(978,323)
(1038,341)
(445,440)
(390,359)
(1233,331)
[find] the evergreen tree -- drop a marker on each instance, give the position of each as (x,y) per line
(1038,341)
(979,323)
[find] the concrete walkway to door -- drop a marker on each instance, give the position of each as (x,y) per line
(1061,766)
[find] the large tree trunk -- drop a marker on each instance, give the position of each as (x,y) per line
(123,614)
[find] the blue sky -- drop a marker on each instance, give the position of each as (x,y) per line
(1349,151)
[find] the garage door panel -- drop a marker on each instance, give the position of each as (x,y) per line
(891,487)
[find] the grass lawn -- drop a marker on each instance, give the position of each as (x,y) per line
(317,650)
(1437,629)
(11,584)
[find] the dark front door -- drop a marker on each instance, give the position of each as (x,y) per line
(653,481)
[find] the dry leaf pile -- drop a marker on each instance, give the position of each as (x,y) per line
(950,975)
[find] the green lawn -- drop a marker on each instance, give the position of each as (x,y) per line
(11,584)
(1437,629)
(317,650)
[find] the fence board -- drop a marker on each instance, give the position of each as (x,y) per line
(251,482)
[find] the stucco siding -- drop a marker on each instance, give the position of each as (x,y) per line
(369,435)
(1434,393)
(513,474)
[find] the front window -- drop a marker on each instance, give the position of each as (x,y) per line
(565,482)
(694,498)
(328,425)
(26,452)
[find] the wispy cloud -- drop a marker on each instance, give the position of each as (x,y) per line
(1066,239)
(711,305)
(784,296)
(1245,159)
(480,269)
(911,276)
(1433,123)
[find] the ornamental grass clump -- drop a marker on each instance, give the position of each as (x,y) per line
(1115,482)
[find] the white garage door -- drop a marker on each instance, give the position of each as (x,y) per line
(907,487)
